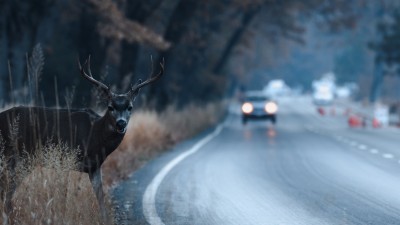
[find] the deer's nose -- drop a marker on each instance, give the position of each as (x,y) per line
(121,125)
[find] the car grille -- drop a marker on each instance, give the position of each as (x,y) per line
(259,111)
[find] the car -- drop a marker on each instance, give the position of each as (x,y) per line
(324,90)
(276,88)
(257,105)
(323,97)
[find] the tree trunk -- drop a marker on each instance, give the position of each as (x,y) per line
(177,27)
(235,39)
(377,82)
(18,65)
(138,11)
(3,61)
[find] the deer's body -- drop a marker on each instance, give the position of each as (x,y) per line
(96,137)
(25,129)
(80,129)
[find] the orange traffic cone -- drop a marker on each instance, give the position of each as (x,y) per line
(354,121)
(321,111)
(376,123)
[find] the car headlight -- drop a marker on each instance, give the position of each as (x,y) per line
(271,107)
(247,107)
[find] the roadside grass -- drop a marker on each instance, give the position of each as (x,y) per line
(47,189)
(150,133)
(48,196)
(58,157)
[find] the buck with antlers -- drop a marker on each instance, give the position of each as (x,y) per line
(94,136)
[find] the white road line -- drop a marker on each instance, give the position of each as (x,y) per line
(362,147)
(149,197)
(374,151)
(387,156)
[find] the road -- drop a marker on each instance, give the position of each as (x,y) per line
(307,170)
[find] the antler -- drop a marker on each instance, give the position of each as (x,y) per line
(90,77)
(150,80)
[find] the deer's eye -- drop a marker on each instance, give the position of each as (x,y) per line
(110,108)
(129,108)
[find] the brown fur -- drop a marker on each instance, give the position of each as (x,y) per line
(83,129)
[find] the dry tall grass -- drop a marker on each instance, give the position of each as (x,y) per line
(48,191)
(48,196)
(149,133)
(58,157)
(191,120)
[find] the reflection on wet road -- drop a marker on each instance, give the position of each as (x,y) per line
(307,170)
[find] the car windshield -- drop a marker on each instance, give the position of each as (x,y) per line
(256,98)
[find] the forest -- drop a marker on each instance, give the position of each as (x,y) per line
(210,48)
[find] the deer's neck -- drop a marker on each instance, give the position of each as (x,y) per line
(105,139)
(111,138)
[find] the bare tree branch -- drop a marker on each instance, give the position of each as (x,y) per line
(115,25)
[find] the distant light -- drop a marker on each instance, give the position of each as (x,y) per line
(271,107)
(324,88)
(247,107)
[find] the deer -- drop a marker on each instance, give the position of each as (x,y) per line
(93,135)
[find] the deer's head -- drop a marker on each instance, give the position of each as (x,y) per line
(119,106)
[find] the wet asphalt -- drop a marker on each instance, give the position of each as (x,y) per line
(308,169)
